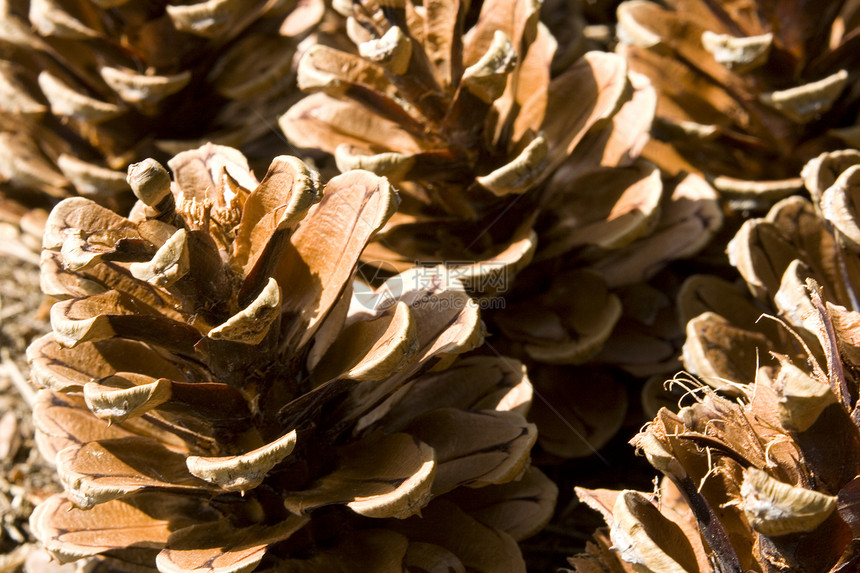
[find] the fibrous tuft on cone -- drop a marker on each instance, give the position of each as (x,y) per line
(218,396)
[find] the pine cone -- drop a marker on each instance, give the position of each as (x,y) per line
(91,87)
(747,94)
(765,479)
(519,168)
(482,139)
(220,398)
(797,240)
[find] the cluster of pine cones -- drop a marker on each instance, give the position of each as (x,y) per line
(344,286)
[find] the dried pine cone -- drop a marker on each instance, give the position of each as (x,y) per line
(515,159)
(747,93)
(768,480)
(219,398)
(775,255)
(90,87)
(491,149)
(762,483)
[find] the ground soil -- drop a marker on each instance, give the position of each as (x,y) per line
(25,478)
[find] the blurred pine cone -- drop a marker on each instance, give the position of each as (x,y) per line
(90,87)
(747,93)
(218,397)
(767,480)
(516,157)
